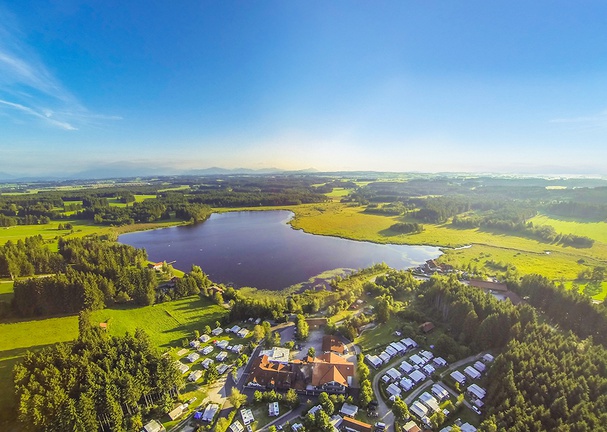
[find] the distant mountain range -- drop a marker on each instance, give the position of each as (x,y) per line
(128,170)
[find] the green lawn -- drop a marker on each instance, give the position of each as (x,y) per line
(166,323)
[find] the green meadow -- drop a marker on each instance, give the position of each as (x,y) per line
(166,323)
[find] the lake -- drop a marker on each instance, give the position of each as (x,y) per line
(260,249)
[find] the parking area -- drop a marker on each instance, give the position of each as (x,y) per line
(314,340)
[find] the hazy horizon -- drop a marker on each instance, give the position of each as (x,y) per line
(500,87)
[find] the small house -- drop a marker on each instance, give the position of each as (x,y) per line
(430,401)
(391,351)
(393,374)
(439,391)
(247,416)
(217,331)
(242,333)
(154,426)
(204,338)
(409,343)
(488,358)
(207,350)
(236,427)
(476,391)
(428,369)
(426,355)
(419,409)
(417,360)
(195,376)
(222,344)
(207,363)
(182,368)
(439,362)
(427,327)
(221,356)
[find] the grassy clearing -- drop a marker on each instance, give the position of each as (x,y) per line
(166,323)
(338,192)
(50,232)
(140,198)
(6,291)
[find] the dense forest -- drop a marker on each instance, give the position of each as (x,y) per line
(544,379)
(86,273)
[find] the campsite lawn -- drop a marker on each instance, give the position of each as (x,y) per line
(166,323)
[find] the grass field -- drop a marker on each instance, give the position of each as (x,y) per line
(166,323)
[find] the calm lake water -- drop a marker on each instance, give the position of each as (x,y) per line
(259,249)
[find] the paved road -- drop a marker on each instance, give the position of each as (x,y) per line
(385,413)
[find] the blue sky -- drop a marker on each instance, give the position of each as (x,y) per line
(339,85)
